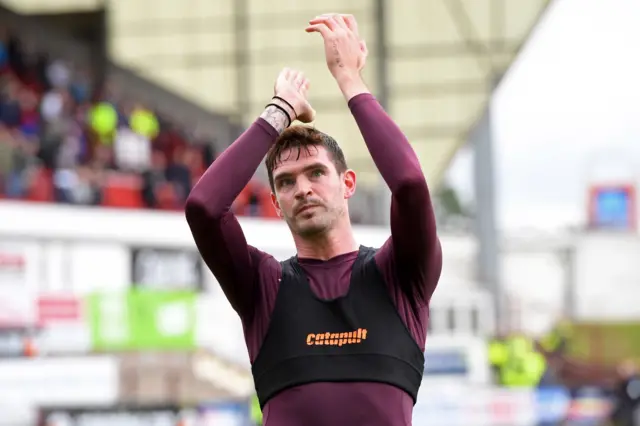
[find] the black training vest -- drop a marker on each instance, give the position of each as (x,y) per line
(355,338)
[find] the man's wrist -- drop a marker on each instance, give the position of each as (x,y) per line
(352,86)
(286,105)
(279,117)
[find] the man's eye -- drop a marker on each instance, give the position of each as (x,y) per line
(317,173)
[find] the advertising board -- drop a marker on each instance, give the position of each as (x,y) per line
(143,320)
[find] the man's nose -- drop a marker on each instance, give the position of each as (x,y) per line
(303,188)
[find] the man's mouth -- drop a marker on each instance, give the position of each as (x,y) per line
(306,208)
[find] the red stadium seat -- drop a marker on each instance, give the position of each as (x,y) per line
(167,197)
(123,191)
(242,200)
(41,186)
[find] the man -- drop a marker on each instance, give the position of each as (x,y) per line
(626,409)
(335,334)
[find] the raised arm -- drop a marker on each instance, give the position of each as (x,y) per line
(413,251)
(215,229)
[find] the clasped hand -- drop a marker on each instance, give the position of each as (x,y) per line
(346,55)
(345,52)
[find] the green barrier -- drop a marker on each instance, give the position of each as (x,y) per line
(142,320)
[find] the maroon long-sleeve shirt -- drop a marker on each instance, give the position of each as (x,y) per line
(410,262)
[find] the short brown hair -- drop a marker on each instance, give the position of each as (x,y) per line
(303,138)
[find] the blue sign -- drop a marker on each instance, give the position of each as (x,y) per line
(552,404)
(445,363)
(613,208)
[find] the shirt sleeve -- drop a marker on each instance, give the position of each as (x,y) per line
(216,230)
(412,256)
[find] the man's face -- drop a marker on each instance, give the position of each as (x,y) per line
(309,192)
(627,369)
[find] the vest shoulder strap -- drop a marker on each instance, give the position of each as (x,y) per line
(289,267)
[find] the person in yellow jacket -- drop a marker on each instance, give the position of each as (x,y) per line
(498,354)
(516,362)
(103,120)
(144,122)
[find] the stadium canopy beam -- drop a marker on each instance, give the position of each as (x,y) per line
(442,80)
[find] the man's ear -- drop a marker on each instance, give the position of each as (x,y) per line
(276,204)
(349,180)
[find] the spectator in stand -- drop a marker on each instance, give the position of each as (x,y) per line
(7,146)
(71,152)
(132,151)
(209,154)
(52,106)
(82,115)
(133,139)
(80,186)
(154,179)
(80,87)
(29,114)
(58,74)
(170,139)
(10,114)
(179,174)
(144,122)
(23,165)
(61,142)
(89,188)
(104,121)
(57,123)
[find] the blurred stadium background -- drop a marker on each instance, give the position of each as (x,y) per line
(110,110)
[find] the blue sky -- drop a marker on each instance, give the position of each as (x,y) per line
(567,114)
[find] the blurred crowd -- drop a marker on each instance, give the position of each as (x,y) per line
(519,361)
(65,138)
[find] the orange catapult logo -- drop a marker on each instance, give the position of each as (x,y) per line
(337,339)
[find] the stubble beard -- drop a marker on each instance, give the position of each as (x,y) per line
(316,226)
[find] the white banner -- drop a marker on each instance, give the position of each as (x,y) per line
(63,325)
(18,278)
(80,381)
(460,405)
